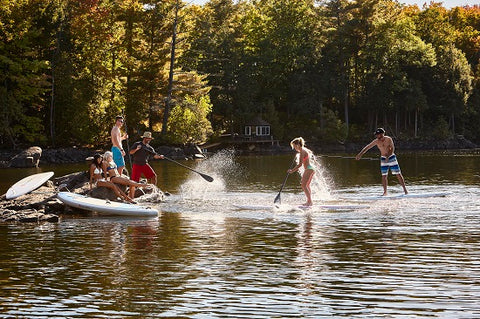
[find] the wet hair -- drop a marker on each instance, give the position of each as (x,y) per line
(107,155)
(297,141)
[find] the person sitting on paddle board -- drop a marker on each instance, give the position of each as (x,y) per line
(110,168)
(97,178)
(141,150)
(305,160)
(117,138)
(388,159)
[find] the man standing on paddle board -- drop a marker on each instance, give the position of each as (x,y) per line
(117,149)
(388,160)
(141,150)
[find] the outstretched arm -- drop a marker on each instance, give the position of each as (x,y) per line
(365,149)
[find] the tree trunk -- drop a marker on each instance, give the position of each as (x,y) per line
(166,114)
(416,122)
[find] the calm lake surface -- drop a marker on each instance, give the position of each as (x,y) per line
(203,258)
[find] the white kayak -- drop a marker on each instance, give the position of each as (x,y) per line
(293,207)
(403,196)
(28,184)
(105,207)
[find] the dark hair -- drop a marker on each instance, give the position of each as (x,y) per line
(119,117)
(95,158)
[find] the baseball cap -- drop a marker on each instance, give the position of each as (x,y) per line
(379,131)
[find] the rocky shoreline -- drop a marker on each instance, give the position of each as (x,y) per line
(42,205)
(35,156)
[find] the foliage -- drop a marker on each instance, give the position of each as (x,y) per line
(188,122)
(326,70)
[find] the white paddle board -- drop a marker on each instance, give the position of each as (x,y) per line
(402,196)
(293,207)
(28,184)
(106,207)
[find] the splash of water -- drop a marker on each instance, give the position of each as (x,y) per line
(155,196)
(320,184)
(221,166)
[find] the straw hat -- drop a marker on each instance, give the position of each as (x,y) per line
(147,135)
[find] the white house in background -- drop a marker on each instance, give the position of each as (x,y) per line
(257,128)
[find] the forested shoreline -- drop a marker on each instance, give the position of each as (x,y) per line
(330,71)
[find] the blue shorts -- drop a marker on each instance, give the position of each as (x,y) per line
(389,163)
(117,156)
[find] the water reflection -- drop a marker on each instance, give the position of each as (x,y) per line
(201,258)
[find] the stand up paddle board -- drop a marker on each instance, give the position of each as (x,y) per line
(402,196)
(293,207)
(106,207)
(27,184)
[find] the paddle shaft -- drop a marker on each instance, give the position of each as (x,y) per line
(128,143)
(277,199)
(205,176)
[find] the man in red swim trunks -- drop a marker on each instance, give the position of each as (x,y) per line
(141,151)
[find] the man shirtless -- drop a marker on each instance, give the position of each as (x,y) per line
(388,159)
(117,149)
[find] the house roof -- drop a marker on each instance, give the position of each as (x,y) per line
(258,121)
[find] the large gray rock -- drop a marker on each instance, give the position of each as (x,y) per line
(27,158)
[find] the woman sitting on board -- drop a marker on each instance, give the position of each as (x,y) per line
(305,159)
(97,178)
(110,168)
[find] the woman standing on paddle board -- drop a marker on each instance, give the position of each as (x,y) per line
(388,159)
(97,178)
(305,155)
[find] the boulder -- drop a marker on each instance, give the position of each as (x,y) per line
(172,152)
(27,158)
(193,151)
(73,181)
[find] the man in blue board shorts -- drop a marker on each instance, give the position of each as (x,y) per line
(117,149)
(388,160)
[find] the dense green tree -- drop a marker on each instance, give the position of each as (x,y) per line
(23,73)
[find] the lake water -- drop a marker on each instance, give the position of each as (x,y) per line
(202,258)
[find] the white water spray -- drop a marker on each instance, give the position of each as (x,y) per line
(320,184)
(221,166)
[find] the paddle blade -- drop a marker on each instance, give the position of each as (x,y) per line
(207,177)
(277,199)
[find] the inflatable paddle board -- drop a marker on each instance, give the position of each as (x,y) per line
(28,184)
(105,207)
(404,196)
(293,207)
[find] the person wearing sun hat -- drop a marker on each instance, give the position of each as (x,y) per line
(388,159)
(141,152)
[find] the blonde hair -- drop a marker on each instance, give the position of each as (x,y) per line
(107,155)
(297,141)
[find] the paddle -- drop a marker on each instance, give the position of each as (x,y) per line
(205,176)
(277,199)
(128,144)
